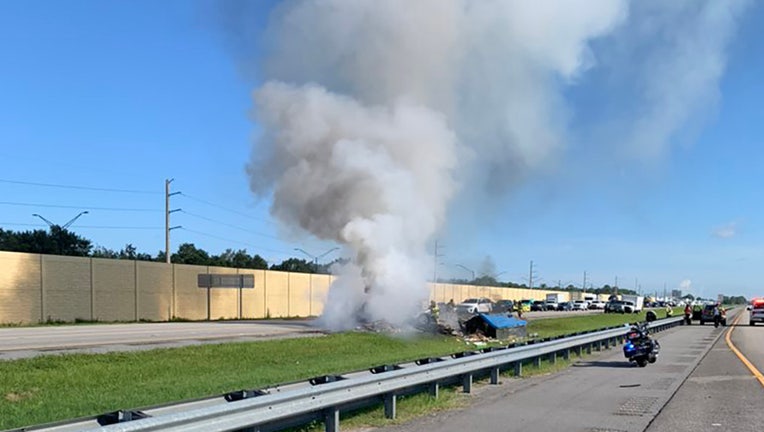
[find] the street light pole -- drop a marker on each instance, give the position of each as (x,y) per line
(315,258)
(468,269)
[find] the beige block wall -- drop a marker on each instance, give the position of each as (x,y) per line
(321,284)
(20,294)
(253,300)
(301,285)
(66,288)
(224,302)
(190,300)
(34,287)
(154,291)
(277,293)
(114,290)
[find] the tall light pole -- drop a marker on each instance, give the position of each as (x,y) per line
(468,269)
(64,226)
(55,229)
(315,258)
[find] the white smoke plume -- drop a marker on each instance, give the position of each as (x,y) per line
(374,114)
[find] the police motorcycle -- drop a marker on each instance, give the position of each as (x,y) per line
(639,347)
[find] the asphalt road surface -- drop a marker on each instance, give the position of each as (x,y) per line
(721,394)
(605,393)
(22,342)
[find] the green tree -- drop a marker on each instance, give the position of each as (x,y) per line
(188,253)
(295,265)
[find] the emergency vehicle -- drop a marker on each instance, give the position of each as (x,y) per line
(757,311)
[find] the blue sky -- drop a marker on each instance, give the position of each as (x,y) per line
(122,95)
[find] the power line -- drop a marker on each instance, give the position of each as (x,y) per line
(63,186)
(11,203)
(85,226)
(229,225)
(237,241)
(193,198)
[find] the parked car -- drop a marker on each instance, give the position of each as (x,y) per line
(597,305)
(580,305)
(538,306)
(551,305)
(525,305)
(707,315)
(629,307)
(614,306)
(474,305)
(503,306)
(565,306)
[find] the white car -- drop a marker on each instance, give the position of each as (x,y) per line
(597,305)
(475,305)
(580,305)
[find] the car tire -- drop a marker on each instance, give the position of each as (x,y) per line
(642,362)
(751,323)
(702,322)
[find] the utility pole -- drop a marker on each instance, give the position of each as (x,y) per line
(584,285)
(436,257)
(167,212)
(530,276)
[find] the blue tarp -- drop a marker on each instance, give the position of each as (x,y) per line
(499,321)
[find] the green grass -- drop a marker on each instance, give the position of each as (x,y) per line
(45,389)
(550,327)
(50,388)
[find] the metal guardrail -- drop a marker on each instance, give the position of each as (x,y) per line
(261,411)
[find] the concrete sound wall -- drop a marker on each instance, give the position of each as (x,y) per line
(37,288)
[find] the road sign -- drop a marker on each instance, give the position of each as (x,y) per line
(209,280)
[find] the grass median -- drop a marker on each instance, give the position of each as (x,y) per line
(59,387)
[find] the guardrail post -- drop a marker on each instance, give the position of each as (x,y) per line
(495,375)
(607,343)
(553,358)
(578,351)
(518,368)
(589,349)
(566,354)
(332,420)
(599,345)
(537,362)
(467,383)
(390,400)
(434,389)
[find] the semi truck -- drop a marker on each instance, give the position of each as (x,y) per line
(554,300)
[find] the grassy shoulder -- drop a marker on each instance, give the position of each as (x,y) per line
(51,388)
(549,327)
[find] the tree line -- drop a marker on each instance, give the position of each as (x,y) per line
(60,241)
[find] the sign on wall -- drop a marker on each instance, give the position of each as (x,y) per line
(207,280)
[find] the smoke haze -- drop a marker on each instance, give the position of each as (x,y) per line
(376,114)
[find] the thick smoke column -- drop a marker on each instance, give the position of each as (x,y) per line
(374,114)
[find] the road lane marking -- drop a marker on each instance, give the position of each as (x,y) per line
(740,355)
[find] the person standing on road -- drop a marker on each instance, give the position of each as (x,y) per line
(519,309)
(669,311)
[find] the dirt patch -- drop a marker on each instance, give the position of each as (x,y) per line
(19,396)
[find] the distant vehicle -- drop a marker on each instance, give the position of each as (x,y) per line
(474,305)
(565,306)
(525,305)
(553,301)
(538,306)
(757,311)
(637,302)
(580,305)
(614,306)
(597,305)
(629,307)
(707,315)
(503,306)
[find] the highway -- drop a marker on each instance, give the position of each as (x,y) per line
(23,342)
(698,384)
